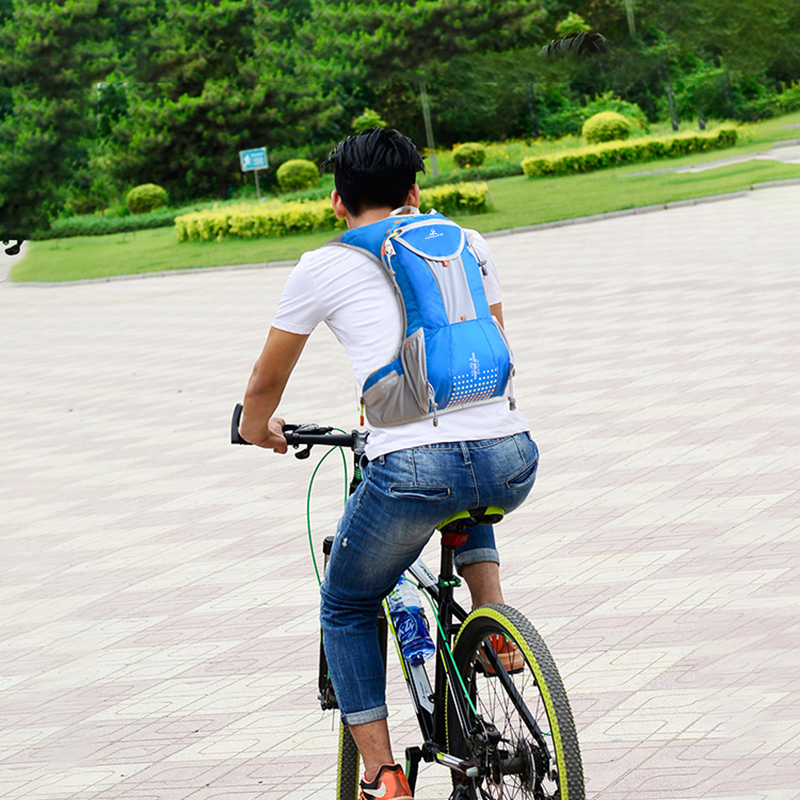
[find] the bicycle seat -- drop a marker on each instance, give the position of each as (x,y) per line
(454,529)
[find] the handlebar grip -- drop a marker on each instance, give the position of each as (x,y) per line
(297,435)
(237,415)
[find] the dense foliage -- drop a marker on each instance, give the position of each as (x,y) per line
(98,96)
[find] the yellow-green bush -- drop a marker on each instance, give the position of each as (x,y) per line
(456,198)
(146,197)
(606,126)
(278,218)
(368,119)
(614,154)
(469,154)
(297,174)
(257,220)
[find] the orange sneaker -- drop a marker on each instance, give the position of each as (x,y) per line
(390,784)
(509,656)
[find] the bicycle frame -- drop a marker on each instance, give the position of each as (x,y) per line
(431,715)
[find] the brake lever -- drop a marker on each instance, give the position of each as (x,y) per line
(309,429)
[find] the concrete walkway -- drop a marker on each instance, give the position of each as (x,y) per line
(158,605)
(787,151)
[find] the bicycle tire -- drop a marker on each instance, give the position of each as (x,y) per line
(540,688)
(347,783)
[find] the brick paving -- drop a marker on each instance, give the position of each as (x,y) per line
(158,605)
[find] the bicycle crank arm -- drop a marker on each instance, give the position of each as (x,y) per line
(458,765)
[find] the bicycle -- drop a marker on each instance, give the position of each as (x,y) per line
(500,721)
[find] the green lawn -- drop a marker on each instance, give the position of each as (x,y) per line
(520,201)
(517,201)
(148,251)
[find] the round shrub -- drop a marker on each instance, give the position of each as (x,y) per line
(297,174)
(573,23)
(146,197)
(606,127)
(368,119)
(469,154)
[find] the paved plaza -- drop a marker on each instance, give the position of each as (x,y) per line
(158,603)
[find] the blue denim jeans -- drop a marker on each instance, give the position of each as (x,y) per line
(386,523)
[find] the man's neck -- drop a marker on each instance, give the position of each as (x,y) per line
(368,216)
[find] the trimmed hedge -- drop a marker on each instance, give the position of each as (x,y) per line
(489,172)
(257,220)
(100,225)
(279,219)
(633,151)
(452,199)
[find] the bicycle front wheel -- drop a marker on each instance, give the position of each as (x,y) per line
(537,755)
(347,785)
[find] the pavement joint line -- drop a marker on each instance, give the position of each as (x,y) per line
(541,226)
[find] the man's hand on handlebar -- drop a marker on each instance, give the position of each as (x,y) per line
(271,439)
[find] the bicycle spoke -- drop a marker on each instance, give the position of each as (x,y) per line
(535,753)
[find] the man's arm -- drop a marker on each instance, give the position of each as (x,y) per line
(265,388)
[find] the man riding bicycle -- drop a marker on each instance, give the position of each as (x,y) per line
(415,474)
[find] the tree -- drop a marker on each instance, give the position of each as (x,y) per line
(50,54)
(406,38)
(216,78)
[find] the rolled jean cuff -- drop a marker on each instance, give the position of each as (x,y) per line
(475,556)
(370,715)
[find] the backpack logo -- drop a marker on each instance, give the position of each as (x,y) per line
(433,234)
(474,366)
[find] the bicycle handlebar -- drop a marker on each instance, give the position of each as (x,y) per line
(298,435)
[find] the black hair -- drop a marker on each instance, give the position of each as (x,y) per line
(374,169)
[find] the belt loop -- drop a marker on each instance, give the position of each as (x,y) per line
(465,452)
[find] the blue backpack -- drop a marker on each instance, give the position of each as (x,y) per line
(453,353)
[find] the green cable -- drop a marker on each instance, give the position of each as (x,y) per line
(319,580)
(450,652)
(344,464)
(308,503)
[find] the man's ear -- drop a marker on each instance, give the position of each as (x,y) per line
(338,205)
(413,196)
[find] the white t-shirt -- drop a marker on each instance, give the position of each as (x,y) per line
(352,295)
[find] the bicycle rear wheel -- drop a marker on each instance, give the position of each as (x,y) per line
(347,786)
(530,710)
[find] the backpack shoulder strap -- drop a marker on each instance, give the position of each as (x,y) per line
(366,239)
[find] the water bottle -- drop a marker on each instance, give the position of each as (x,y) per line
(409,623)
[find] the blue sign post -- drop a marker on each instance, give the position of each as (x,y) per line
(253,161)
